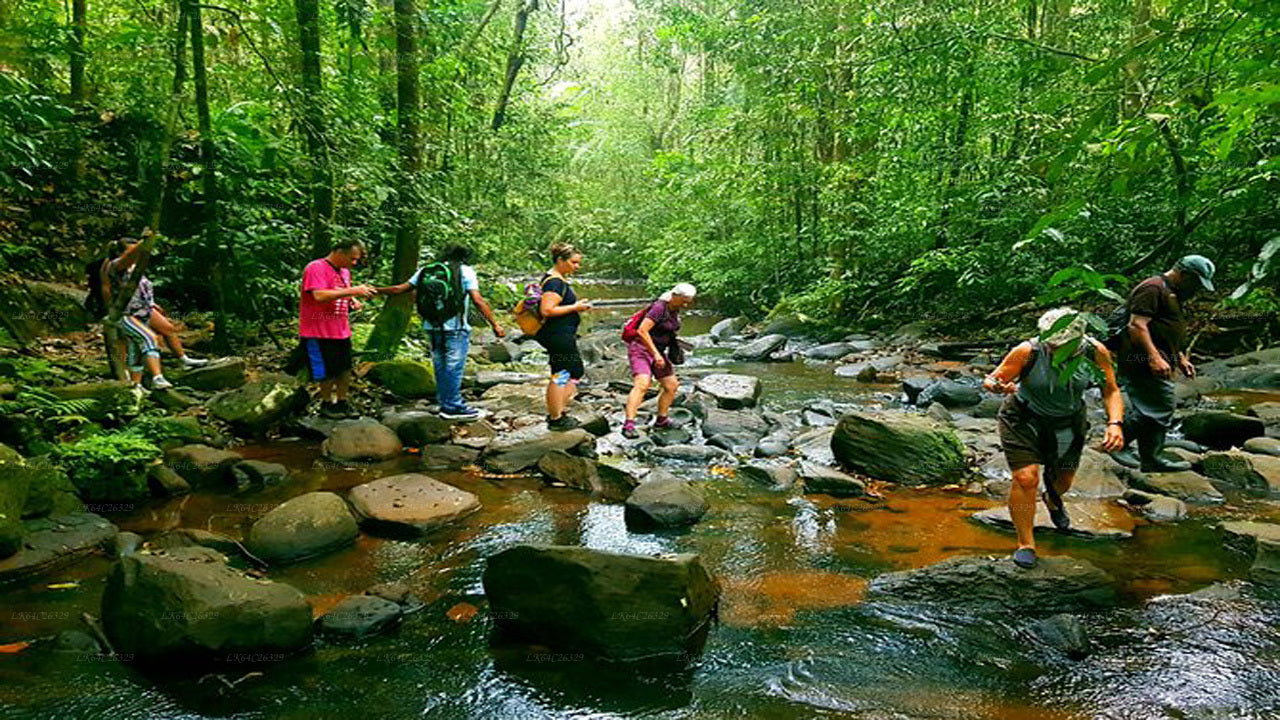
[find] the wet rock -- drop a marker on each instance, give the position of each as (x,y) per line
(513,455)
(988,407)
(913,386)
(670,436)
(1064,633)
(580,473)
(1263,446)
(760,349)
(202,466)
(1268,412)
(819,417)
(503,351)
(360,616)
(1089,518)
(363,439)
(1221,430)
(901,448)
(404,378)
(822,480)
(939,412)
(606,604)
(773,446)
(13,496)
(869,370)
(1156,508)
(742,428)
(474,435)
(1243,470)
(125,543)
(258,474)
(728,327)
(188,602)
(416,428)
(1266,562)
(1056,584)
(691,453)
(592,422)
(1098,476)
(260,405)
(1186,486)
(220,374)
(829,351)
(448,457)
(490,378)
(815,446)
(788,325)
(951,393)
(76,642)
(773,476)
(731,392)
(398,593)
(1244,535)
(53,542)
(195,537)
(165,482)
(664,502)
(305,526)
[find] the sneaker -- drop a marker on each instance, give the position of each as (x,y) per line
(190,362)
(159,383)
(331,410)
(1024,558)
(629,430)
(460,413)
(1057,514)
(662,422)
(564,422)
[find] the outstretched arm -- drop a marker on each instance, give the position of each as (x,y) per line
(1003,378)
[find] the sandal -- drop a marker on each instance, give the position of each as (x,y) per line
(1025,558)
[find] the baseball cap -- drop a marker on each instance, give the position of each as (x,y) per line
(1201,267)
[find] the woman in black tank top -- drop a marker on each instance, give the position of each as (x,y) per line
(561,312)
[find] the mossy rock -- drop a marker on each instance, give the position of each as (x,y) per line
(405,378)
(910,449)
(14,482)
(259,405)
(50,492)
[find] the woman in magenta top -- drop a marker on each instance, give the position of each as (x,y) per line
(650,355)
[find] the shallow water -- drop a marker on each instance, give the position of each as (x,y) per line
(795,638)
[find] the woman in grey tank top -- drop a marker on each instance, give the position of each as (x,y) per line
(1042,423)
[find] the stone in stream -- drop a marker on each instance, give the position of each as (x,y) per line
(1156,508)
(1089,518)
(951,394)
(592,422)
(513,455)
(691,453)
(869,370)
(771,475)
(410,504)
(605,604)
(195,537)
(1056,584)
(1244,535)
(305,526)
(664,501)
(363,439)
(202,466)
(728,327)
(189,602)
(404,378)
(914,385)
(359,616)
(1243,470)
(829,351)
(1186,486)
(1263,446)
(938,411)
(447,457)
(50,543)
(417,428)
(1266,562)
(822,480)
(1064,633)
(581,473)
(740,427)
(669,436)
(731,392)
(1221,430)
(258,406)
(221,374)
(902,448)
(760,349)
(489,378)
(13,497)
(1268,412)
(251,474)
(773,446)
(815,446)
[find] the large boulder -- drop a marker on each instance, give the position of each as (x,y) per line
(404,378)
(53,542)
(410,504)
(1055,584)
(189,602)
(731,391)
(951,394)
(579,473)
(739,429)
(14,482)
(33,308)
(728,327)
(201,465)
(1221,430)
(607,604)
(1243,470)
(361,440)
(760,349)
(664,501)
(221,374)
(1187,486)
(256,407)
(513,455)
(903,448)
(305,526)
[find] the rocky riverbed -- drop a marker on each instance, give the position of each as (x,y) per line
(822,533)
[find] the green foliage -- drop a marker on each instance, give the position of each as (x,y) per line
(53,412)
(109,466)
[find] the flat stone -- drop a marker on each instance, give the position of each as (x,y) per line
(220,374)
(1268,412)
(303,527)
(1186,486)
(1243,470)
(823,480)
(664,502)
(513,455)
(489,378)
(1263,446)
(1244,535)
(448,457)
(410,504)
(731,392)
(52,543)
(1095,519)
(1056,584)
(774,476)
(579,473)
(691,453)
(359,616)
(363,439)
(202,466)
(1156,508)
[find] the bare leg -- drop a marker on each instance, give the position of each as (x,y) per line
(167,330)
(669,386)
(640,386)
(1063,482)
(1022,503)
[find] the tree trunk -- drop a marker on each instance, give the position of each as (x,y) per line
(313,126)
(77,51)
(398,310)
(515,60)
(956,149)
(1135,70)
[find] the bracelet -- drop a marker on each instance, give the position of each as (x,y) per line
(1116,422)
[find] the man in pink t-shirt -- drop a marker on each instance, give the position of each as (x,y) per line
(327,298)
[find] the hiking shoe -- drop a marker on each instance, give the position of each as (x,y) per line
(1025,558)
(190,362)
(1160,463)
(1058,515)
(564,422)
(1127,457)
(629,430)
(335,410)
(460,413)
(159,383)
(662,422)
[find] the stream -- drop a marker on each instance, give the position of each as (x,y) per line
(794,639)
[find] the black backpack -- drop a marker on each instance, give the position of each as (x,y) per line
(440,294)
(94,302)
(1118,322)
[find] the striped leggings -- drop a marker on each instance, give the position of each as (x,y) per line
(142,342)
